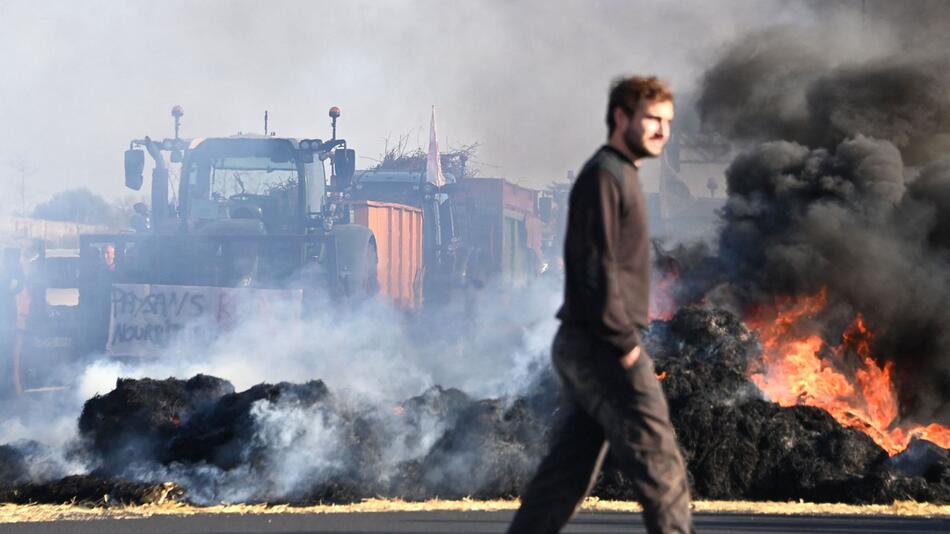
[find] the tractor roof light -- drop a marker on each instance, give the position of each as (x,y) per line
(334,112)
(177,111)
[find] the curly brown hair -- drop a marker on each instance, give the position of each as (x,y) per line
(626,93)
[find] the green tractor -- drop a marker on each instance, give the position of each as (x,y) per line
(253,212)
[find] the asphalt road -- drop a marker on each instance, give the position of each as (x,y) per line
(469,522)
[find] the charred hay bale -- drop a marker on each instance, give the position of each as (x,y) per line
(923,458)
(739,446)
(435,405)
(544,395)
(489,453)
(882,485)
(92,490)
(703,352)
(416,420)
(758,450)
(415,425)
(222,433)
(13,466)
(921,472)
(713,336)
(719,444)
(449,413)
(361,449)
(134,421)
(761,451)
(802,448)
(362,469)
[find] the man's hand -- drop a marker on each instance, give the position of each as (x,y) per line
(631,358)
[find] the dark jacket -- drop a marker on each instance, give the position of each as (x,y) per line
(607,252)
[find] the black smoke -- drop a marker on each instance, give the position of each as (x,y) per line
(881,72)
(842,183)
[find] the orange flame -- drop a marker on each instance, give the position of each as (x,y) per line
(662,303)
(797,367)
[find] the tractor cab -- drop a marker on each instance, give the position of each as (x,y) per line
(246,184)
(270,181)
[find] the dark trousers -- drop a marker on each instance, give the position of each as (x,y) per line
(607,408)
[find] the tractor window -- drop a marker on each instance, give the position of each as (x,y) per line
(251,176)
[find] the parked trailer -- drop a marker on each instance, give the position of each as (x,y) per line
(398,231)
(474,231)
(500,220)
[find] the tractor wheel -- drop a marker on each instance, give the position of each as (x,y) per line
(357,260)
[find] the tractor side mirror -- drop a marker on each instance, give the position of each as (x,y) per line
(344,167)
(545,208)
(134,167)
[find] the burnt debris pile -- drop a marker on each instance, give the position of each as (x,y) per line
(300,443)
(489,453)
(139,418)
(303,443)
(740,446)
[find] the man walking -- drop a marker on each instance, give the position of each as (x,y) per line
(613,399)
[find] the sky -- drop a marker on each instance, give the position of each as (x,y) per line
(525,80)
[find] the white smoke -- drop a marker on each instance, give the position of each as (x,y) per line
(374,352)
(371,357)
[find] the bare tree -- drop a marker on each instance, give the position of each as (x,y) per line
(24,169)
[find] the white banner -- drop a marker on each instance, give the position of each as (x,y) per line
(146,318)
(433,159)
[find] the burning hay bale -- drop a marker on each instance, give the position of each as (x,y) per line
(300,443)
(738,445)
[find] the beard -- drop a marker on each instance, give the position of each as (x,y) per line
(634,143)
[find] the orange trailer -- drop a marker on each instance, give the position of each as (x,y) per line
(398,231)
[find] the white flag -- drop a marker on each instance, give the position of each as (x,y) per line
(433,162)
